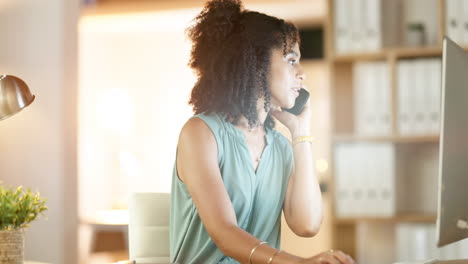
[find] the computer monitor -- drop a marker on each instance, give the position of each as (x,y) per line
(452,213)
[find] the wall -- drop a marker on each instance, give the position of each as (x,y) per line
(38,44)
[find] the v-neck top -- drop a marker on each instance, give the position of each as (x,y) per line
(257,197)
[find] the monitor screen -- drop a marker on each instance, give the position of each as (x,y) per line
(452,216)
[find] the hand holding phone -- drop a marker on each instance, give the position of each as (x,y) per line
(300,102)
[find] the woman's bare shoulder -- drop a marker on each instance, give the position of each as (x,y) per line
(195,129)
(197,149)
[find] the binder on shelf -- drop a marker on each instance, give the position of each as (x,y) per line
(449,251)
(415,242)
(403,243)
(357,181)
(347,174)
(425,94)
(372,99)
(356,25)
(365,180)
(372,31)
(360,101)
(418,89)
(432,246)
(463,249)
(343,176)
(375,243)
(465,23)
(453,23)
(370,93)
(384,106)
(418,115)
(435,72)
(421,240)
(349,180)
(404,84)
(368,178)
(366,25)
(386,200)
(342,31)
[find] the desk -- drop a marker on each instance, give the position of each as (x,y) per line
(102,235)
(460,261)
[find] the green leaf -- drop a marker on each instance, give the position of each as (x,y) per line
(18,207)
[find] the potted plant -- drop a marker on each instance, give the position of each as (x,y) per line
(415,34)
(18,207)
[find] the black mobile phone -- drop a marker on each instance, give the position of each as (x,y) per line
(301,100)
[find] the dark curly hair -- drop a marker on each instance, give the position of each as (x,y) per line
(231,55)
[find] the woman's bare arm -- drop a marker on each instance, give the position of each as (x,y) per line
(197,165)
(303,202)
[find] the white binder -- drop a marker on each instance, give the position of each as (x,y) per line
(421,239)
(427,104)
(386,193)
(372,21)
(357,155)
(463,249)
(413,240)
(418,116)
(368,105)
(359,101)
(371,93)
(365,179)
(453,23)
(403,242)
(351,161)
(369,181)
(377,76)
(343,176)
(356,25)
(372,180)
(384,118)
(464,21)
(404,97)
(434,95)
(366,25)
(342,23)
(432,246)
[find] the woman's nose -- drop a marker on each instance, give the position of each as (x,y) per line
(301,74)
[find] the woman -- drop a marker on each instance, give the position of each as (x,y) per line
(234,174)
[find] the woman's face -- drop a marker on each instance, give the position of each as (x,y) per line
(286,77)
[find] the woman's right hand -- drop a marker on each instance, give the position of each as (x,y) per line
(329,257)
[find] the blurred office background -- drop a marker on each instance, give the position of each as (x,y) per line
(112,86)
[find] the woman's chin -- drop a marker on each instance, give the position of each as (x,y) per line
(289,105)
(285,105)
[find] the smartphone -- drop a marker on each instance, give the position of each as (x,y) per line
(301,100)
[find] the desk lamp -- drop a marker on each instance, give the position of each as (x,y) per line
(14,95)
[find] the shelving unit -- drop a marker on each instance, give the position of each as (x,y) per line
(345,235)
(394,139)
(389,54)
(410,218)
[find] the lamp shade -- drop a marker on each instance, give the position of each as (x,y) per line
(14,95)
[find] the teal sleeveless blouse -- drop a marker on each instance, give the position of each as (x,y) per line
(257,197)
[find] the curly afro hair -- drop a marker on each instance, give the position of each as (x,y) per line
(231,55)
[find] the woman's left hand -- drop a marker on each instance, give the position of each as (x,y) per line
(298,125)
